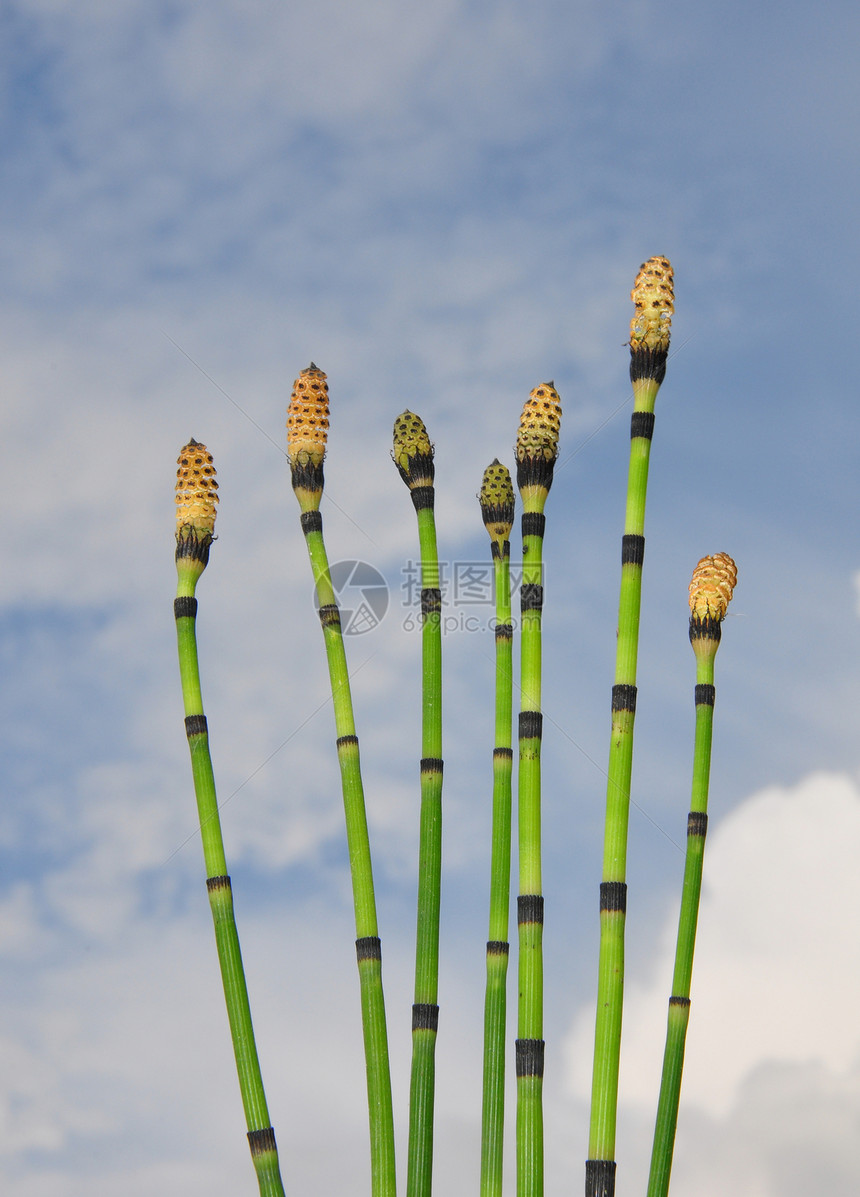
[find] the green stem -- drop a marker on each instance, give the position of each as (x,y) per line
(425,1010)
(307,432)
(261,1136)
(536,450)
(679,1003)
(530,904)
(495,1003)
(413,456)
(600,1166)
(368,946)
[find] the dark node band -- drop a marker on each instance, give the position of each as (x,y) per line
(624,698)
(261,1141)
(535,471)
(425,1017)
(647,363)
(419,470)
(530,725)
(529,1057)
(706,694)
(504,631)
(350,741)
(307,477)
(632,549)
(674,1000)
(423,497)
(329,615)
(642,424)
(192,545)
(534,523)
(697,823)
(497,513)
(431,601)
(196,725)
(215,883)
(503,754)
(531,597)
(530,909)
(431,764)
(705,629)
(311,521)
(600,1178)
(613,896)
(369,947)
(500,552)
(185,607)
(497,947)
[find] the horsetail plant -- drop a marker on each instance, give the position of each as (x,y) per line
(653,297)
(413,456)
(497,511)
(196,506)
(711,589)
(536,452)
(307,430)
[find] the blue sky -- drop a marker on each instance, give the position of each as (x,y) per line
(442,206)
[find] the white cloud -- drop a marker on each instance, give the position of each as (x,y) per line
(790,1131)
(776,983)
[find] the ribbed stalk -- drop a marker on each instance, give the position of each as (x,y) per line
(497,511)
(649,344)
(307,426)
(711,590)
(196,499)
(537,450)
(413,456)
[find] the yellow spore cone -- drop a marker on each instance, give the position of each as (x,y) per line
(537,442)
(307,419)
(653,295)
(540,425)
(196,490)
(196,507)
(711,588)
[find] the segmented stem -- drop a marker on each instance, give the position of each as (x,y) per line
(497,510)
(649,343)
(413,456)
(536,450)
(307,427)
(196,499)
(711,590)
